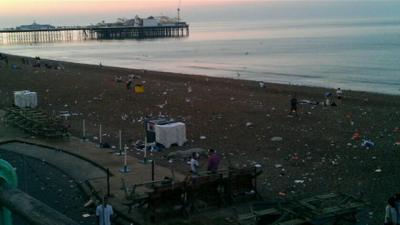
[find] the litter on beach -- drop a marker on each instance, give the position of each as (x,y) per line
(276,139)
(367,144)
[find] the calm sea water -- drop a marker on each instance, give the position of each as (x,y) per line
(351,53)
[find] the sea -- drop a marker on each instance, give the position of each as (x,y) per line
(337,44)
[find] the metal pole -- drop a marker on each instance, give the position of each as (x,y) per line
(100,136)
(145,150)
(120,141)
(84,129)
(125,168)
(152,170)
(125,159)
(108,182)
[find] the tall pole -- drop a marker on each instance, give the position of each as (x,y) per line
(100,136)
(179,15)
(108,182)
(84,129)
(152,170)
(145,150)
(125,168)
(125,159)
(120,141)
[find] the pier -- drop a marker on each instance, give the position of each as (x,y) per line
(78,33)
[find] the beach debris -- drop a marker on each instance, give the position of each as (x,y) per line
(379,170)
(124,116)
(161,106)
(365,143)
(282,193)
(298,181)
(261,84)
(139,88)
(184,154)
(276,139)
(117,79)
(133,76)
(356,136)
(189,89)
(278,165)
(248,124)
(203,137)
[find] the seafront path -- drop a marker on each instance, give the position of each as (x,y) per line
(86,164)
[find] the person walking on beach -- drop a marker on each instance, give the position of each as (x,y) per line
(391,212)
(104,213)
(213,161)
(293,106)
(339,95)
(129,84)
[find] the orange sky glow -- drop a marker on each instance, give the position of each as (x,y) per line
(57,7)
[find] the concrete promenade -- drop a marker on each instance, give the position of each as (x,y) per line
(87,163)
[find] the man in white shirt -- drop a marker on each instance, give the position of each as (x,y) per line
(194,164)
(104,213)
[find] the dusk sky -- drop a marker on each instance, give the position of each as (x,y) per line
(14,12)
(82,12)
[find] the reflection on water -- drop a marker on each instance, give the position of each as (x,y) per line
(352,54)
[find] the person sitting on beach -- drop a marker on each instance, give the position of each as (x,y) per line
(213,161)
(293,105)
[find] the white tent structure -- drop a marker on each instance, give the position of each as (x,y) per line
(172,133)
(24,99)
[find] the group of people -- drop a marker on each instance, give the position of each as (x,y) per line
(212,164)
(392,211)
(327,102)
(104,211)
